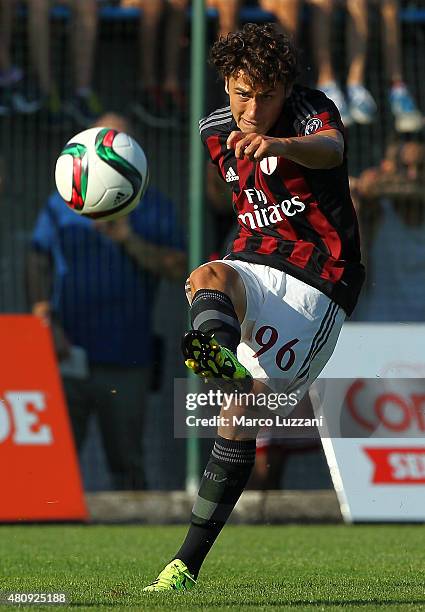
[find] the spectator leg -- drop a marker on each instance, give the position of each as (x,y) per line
(321,31)
(79,407)
(39,39)
(392,46)
(287,13)
(149,27)
(357,40)
(7,11)
(174,30)
(84,34)
(121,396)
(228,16)
(269,465)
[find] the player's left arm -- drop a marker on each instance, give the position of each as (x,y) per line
(323,150)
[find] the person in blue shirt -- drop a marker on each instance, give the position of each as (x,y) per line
(95,284)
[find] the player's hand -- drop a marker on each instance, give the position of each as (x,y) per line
(255,146)
(118,230)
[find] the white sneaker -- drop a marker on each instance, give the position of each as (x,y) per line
(334,92)
(361,104)
(407,117)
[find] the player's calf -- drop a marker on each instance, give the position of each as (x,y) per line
(210,348)
(212,312)
(218,276)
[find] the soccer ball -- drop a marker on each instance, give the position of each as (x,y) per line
(102,173)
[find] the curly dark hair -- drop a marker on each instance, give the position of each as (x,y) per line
(265,55)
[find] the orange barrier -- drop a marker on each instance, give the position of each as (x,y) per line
(39,473)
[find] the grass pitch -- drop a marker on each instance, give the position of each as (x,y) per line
(250,568)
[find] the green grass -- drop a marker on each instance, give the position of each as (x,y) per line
(250,568)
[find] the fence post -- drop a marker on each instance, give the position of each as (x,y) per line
(196,191)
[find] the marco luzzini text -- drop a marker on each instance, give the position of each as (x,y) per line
(274,420)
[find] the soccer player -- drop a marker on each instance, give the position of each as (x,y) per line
(270,313)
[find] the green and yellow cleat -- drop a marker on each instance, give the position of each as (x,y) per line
(206,358)
(174,577)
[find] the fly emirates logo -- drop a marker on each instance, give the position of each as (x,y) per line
(268,215)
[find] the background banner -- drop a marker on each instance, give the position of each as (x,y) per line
(379,475)
(39,476)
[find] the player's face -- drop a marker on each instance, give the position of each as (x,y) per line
(255,110)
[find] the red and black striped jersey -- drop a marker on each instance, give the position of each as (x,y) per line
(290,217)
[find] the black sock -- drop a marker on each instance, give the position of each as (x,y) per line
(212,312)
(224,479)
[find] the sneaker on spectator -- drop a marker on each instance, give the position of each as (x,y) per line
(15,101)
(407,117)
(25,100)
(16,95)
(150,108)
(334,92)
(361,104)
(84,109)
(11,76)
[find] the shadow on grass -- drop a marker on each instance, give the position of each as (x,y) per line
(256,604)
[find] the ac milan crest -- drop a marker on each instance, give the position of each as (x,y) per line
(268,165)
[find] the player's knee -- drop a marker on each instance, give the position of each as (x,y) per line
(220,277)
(211,276)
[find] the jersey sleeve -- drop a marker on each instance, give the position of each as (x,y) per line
(213,146)
(316,113)
(214,130)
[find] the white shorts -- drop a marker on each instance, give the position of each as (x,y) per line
(289,331)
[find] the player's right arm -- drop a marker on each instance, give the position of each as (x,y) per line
(321,151)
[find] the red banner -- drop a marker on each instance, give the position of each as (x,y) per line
(39,476)
(398,465)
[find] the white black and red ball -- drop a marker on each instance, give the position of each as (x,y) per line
(102,173)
